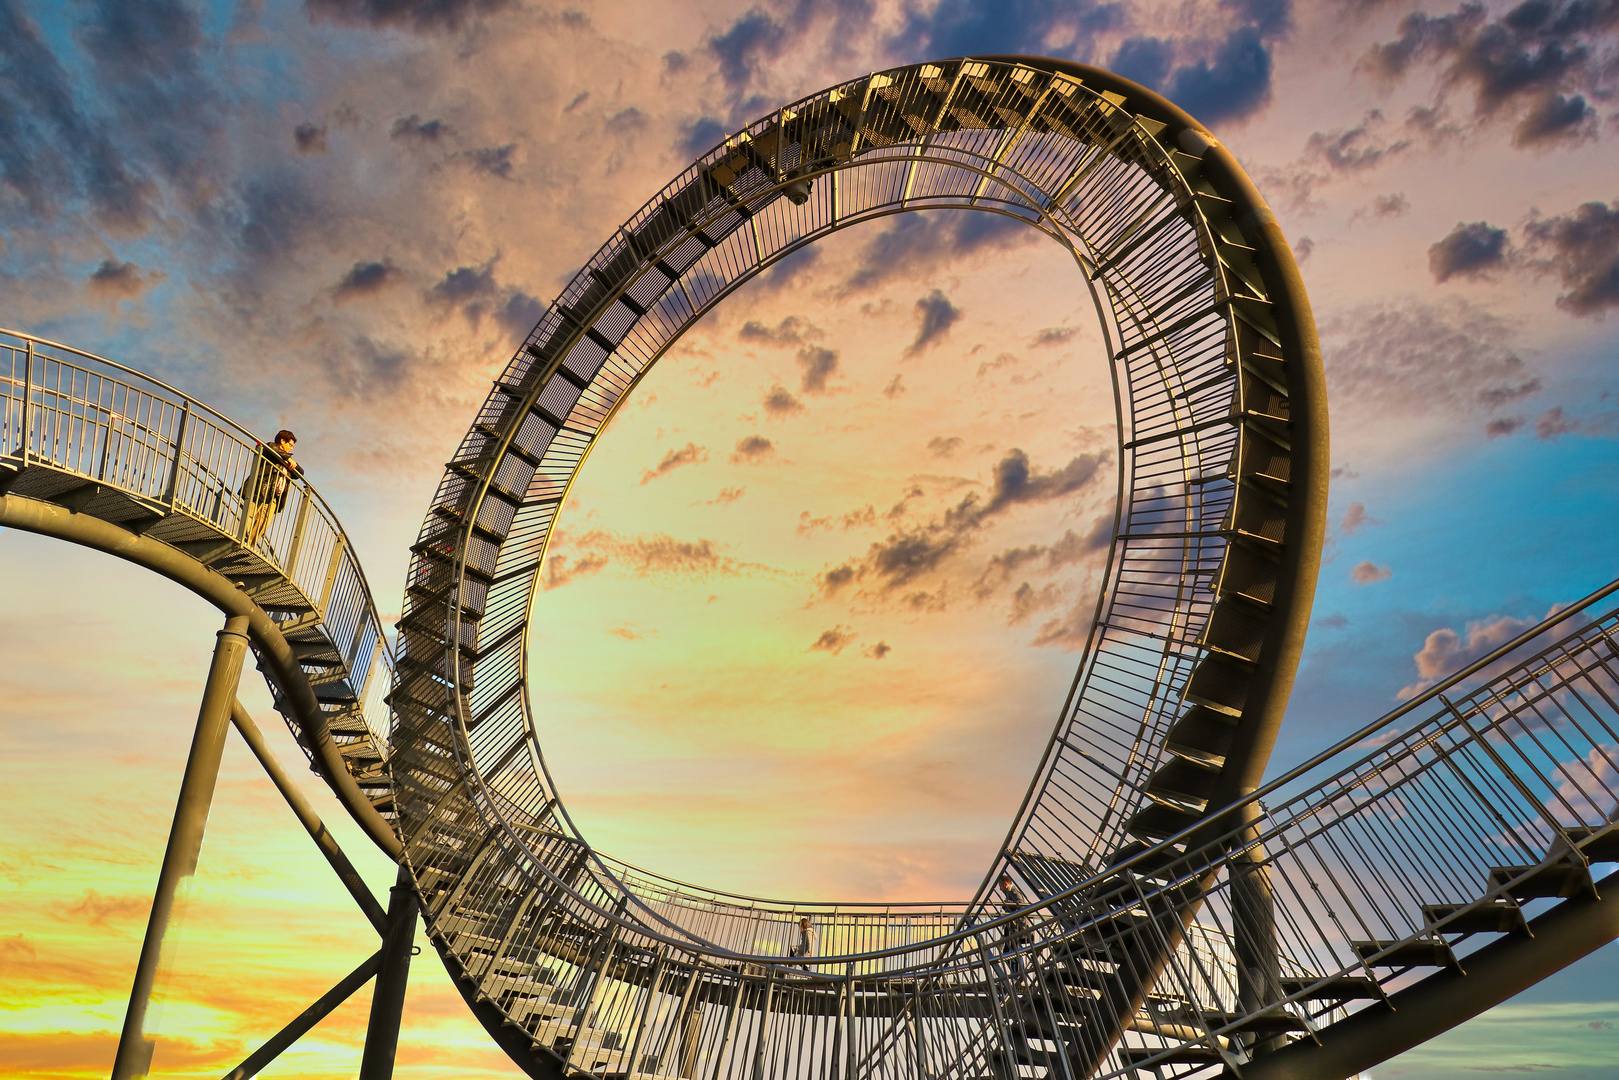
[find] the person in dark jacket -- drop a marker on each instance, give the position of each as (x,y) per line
(1015,933)
(267,485)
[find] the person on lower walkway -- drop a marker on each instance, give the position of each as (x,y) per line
(1015,932)
(266,488)
(805,946)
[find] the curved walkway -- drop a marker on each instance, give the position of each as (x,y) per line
(98,454)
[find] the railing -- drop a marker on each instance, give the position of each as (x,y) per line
(116,429)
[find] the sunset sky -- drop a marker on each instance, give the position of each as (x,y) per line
(341,216)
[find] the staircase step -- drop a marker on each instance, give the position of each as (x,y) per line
(1132,1056)
(1420,952)
(1336,988)
(1559,881)
(1605,848)
(1498,917)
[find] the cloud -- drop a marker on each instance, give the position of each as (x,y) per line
(1369,573)
(651,556)
(754,37)
(1556,118)
(941,446)
(364,279)
(913,551)
(420,16)
(476,293)
(1068,549)
(626,121)
(701,136)
(1355,149)
(413,127)
(1470,251)
(1392,205)
(690,454)
(1053,335)
(919,244)
(563,570)
(1231,86)
(1554,422)
(115,280)
(1445,650)
(309,138)
(1502,425)
(790,331)
(752,448)
(895,387)
(819,365)
(493,161)
(100,910)
(880,651)
(726,495)
(833,641)
(1582,250)
(1027,600)
(1356,517)
(1409,358)
(937,315)
(465,284)
(781,402)
(1536,62)
(54,153)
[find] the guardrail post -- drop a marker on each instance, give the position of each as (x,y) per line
(179,455)
(134,1057)
(332,565)
(27,402)
(297,536)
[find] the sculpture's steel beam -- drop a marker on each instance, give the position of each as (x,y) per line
(388,999)
(134,1056)
(307,1019)
(310,820)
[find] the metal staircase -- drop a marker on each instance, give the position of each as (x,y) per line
(84,436)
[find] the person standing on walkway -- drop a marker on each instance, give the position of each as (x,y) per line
(806,941)
(1015,935)
(267,485)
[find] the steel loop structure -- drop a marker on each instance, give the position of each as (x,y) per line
(1171,916)
(1222,466)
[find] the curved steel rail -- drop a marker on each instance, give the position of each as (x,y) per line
(1222,440)
(101,455)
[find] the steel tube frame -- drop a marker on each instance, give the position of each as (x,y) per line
(134,1056)
(310,820)
(307,1019)
(388,1000)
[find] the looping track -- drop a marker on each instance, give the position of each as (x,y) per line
(1222,483)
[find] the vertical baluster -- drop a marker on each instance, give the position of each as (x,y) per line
(27,402)
(178,461)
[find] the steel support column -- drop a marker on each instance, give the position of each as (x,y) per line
(185,837)
(388,999)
